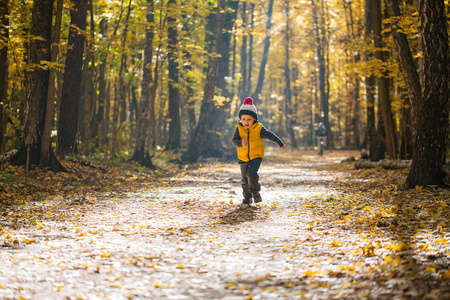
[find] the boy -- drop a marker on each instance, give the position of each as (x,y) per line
(248,138)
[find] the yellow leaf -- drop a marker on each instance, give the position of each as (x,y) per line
(288,285)
(281,185)
(388,259)
(106,254)
(430,270)
(311,273)
(157,285)
(397,261)
(180,267)
(22,298)
(393,208)
(231,284)
(442,241)
(39,227)
(58,288)
(48,212)
(1,286)
(335,243)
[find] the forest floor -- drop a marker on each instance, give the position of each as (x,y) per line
(324,231)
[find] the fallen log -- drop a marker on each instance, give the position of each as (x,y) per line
(385,164)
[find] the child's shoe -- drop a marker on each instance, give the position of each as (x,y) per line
(247,201)
(257,197)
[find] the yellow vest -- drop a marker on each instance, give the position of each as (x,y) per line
(255,148)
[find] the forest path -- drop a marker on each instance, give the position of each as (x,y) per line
(187,238)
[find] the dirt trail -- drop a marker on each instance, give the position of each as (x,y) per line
(187,239)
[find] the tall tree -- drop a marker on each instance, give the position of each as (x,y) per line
(70,99)
(4,40)
(354,78)
(216,135)
(287,77)
(429,99)
(142,146)
(197,143)
(51,95)
(174,141)
(89,103)
(383,83)
(318,28)
(100,120)
(37,87)
(120,91)
(375,151)
(265,56)
(244,51)
(250,49)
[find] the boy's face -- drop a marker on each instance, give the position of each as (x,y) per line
(247,120)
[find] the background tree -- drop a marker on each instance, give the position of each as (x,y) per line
(51,94)
(71,90)
(37,87)
(142,147)
(4,40)
(174,141)
(197,143)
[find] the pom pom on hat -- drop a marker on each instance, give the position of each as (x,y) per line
(248,108)
(248,101)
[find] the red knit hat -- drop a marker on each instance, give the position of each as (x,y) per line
(248,108)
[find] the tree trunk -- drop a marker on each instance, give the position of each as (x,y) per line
(142,146)
(100,122)
(37,88)
(174,141)
(244,49)
(218,122)
(321,62)
(287,75)
(197,144)
(430,114)
(51,95)
(355,81)
(89,91)
(383,85)
(190,101)
(372,136)
(4,33)
(262,68)
(250,49)
(70,99)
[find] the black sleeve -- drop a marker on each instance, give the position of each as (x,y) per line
(237,142)
(267,134)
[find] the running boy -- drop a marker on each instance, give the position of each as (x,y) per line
(248,138)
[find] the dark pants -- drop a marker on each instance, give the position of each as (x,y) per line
(250,177)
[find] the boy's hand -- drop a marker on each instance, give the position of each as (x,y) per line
(244,142)
(284,147)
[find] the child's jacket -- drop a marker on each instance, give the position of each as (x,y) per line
(254,136)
